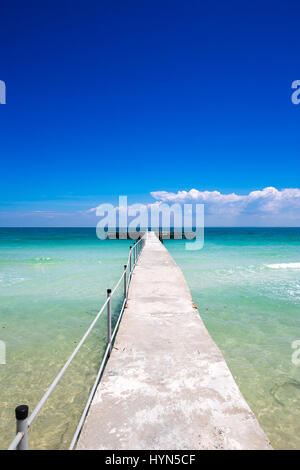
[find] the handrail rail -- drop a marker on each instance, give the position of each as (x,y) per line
(64,368)
(15,444)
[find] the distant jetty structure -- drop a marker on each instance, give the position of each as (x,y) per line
(166,384)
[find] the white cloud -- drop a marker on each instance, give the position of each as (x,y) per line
(270,205)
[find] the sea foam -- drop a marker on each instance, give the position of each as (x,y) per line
(284,266)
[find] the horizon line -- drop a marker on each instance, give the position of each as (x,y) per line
(208,226)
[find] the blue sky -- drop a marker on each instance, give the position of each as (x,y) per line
(110,98)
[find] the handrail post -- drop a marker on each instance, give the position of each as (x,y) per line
(125,281)
(132,257)
(21,417)
(130,264)
(109,319)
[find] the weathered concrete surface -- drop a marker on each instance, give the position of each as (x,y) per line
(166,385)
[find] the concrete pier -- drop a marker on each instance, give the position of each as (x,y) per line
(166,384)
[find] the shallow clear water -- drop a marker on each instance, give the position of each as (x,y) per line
(245,282)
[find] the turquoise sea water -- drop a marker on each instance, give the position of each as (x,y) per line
(52,284)
(245,282)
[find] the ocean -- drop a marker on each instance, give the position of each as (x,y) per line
(245,282)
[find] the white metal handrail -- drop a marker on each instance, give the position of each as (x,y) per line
(23,422)
(15,442)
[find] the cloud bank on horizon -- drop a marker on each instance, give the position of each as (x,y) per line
(268,206)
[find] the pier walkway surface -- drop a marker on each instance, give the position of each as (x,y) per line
(166,384)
